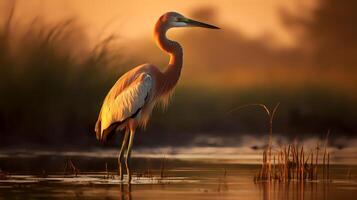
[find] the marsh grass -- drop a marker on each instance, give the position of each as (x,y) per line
(293,164)
(52,80)
(292,160)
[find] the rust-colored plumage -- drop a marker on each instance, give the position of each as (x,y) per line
(131,100)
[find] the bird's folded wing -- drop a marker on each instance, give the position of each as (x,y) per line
(128,103)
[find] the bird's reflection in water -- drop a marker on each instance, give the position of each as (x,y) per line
(125,192)
(299,190)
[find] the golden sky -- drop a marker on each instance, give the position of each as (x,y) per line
(249,27)
(136,18)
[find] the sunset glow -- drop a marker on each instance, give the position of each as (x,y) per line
(168,99)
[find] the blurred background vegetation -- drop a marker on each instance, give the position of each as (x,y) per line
(53,80)
(51,84)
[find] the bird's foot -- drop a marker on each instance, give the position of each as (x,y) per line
(120,174)
(128,170)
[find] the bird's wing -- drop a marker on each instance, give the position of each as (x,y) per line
(128,102)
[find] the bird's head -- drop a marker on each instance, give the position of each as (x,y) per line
(174,19)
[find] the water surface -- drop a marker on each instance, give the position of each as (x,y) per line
(47,177)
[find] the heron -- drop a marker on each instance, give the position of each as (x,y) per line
(130,101)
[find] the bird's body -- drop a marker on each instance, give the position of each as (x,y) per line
(131,100)
(133,97)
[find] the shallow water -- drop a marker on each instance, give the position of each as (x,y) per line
(45,177)
(192,184)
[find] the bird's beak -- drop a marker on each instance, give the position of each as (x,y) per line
(194,23)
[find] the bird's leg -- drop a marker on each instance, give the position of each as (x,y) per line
(128,153)
(121,153)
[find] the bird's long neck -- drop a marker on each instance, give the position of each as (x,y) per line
(172,72)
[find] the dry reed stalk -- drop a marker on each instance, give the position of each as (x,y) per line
(282,164)
(297,161)
(312,166)
(274,170)
(307,159)
(261,169)
(225,179)
(288,163)
(349,175)
(293,152)
(301,166)
(264,165)
(306,165)
(106,169)
(260,176)
(271,118)
(323,165)
(256,177)
(286,172)
(278,165)
(328,166)
(317,160)
(148,172)
(317,163)
(162,169)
